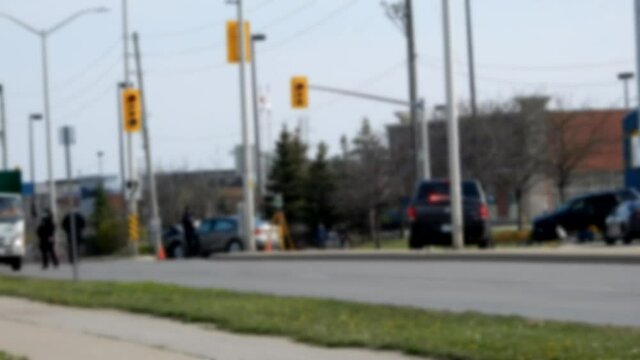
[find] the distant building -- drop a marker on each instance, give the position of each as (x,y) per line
(601,169)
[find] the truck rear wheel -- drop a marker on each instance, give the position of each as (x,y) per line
(16,264)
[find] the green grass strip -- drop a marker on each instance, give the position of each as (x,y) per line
(436,334)
(5,356)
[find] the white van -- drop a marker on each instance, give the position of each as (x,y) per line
(12,230)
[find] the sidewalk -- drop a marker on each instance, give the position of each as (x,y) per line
(46,332)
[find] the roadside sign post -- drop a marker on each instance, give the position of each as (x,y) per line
(67,139)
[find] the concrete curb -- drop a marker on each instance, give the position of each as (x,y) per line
(423,256)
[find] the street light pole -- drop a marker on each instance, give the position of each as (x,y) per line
(44,34)
(260,189)
(625,77)
(472,65)
(453,132)
(32,159)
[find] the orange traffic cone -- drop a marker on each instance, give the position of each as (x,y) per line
(161,255)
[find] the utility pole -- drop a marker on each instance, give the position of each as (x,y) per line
(472,64)
(247,178)
(3,123)
(260,189)
(401,13)
(453,131)
(123,172)
(132,183)
(67,138)
(155,223)
(419,173)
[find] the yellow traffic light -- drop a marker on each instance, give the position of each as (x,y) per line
(132,110)
(299,92)
(233,49)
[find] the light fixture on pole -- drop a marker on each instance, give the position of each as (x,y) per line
(625,77)
(43,34)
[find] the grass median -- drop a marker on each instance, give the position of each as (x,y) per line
(5,356)
(440,335)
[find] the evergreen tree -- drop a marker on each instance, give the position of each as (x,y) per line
(319,189)
(288,174)
(109,229)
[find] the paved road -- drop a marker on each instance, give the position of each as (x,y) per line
(603,294)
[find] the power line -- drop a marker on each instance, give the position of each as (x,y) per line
(85,70)
(281,19)
(198,28)
(72,96)
(189,51)
(336,12)
(90,103)
(525,83)
(187,71)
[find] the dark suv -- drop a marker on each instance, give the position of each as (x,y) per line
(430,215)
(579,214)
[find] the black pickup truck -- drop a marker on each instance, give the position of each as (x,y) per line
(430,215)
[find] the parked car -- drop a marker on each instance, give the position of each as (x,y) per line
(430,215)
(220,234)
(265,233)
(623,223)
(580,214)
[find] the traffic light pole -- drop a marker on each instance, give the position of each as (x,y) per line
(155,223)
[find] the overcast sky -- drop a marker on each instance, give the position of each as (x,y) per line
(570,49)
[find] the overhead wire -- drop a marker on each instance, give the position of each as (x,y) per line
(199,28)
(90,66)
(336,12)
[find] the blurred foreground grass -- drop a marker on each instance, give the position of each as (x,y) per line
(440,335)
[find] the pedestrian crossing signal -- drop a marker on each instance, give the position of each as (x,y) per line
(132,110)
(299,92)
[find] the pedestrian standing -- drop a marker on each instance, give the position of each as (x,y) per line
(79,223)
(189,232)
(46,235)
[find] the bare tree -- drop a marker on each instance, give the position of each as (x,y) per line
(573,137)
(363,180)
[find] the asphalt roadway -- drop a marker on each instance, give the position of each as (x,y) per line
(593,293)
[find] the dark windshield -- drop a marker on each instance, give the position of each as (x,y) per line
(470,190)
(10,208)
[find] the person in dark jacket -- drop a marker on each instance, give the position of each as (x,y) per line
(79,225)
(46,234)
(189,232)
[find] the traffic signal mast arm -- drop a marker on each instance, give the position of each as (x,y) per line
(361,95)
